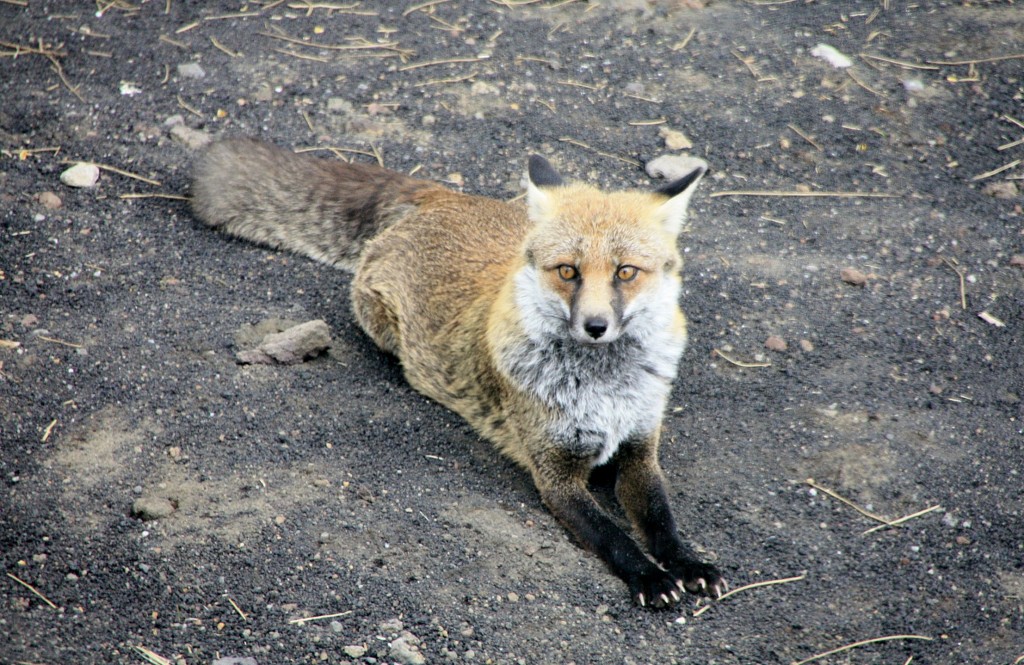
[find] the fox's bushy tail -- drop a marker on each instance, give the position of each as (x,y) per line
(321,208)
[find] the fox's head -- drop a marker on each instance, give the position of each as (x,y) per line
(601,265)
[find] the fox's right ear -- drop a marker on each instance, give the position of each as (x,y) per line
(541,175)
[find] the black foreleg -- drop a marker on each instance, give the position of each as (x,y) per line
(641,489)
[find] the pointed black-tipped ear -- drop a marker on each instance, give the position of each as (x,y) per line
(679,191)
(542,174)
(681,184)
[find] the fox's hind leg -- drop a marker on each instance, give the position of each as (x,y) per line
(641,489)
(376,316)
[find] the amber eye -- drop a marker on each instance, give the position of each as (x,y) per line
(567,272)
(626,273)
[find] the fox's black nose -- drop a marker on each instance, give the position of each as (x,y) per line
(595,327)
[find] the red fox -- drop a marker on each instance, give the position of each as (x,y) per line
(554,329)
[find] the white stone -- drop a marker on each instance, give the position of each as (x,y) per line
(81,174)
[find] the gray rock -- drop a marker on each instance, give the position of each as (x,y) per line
(193,139)
(290,346)
(81,174)
(405,650)
(191,70)
(152,508)
(673,167)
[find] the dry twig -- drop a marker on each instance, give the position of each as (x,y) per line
(331,8)
(963,285)
(431,63)
(447,81)
(906,518)
(1004,167)
(319,617)
(151,656)
(48,431)
(301,56)
(220,47)
(739,363)
(423,5)
(114,169)
(849,72)
(190,109)
(581,144)
(861,643)
(841,195)
(838,497)
(647,123)
(32,588)
(749,64)
(747,587)
(898,63)
(237,608)
(59,341)
(686,40)
(799,132)
(358,44)
(155,195)
(977,61)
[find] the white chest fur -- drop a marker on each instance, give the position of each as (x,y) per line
(599,395)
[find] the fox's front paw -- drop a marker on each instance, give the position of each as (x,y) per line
(655,588)
(699,578)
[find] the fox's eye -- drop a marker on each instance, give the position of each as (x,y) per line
(567,272)
(626,273)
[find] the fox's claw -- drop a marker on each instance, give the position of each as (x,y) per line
(701,579)
(656,588)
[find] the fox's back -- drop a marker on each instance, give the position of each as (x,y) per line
(437,274)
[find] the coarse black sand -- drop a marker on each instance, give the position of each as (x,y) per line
(330,489)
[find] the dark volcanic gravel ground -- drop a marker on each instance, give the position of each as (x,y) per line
(331,488)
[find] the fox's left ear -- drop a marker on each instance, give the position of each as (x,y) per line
(680,191)
(542,175)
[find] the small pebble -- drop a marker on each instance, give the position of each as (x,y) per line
(832,56)
(290,346)
(193,139)
(81,174)
(775,343)
(1001,190)
(484,88)
(853,276)
(673,167)
(674,139)
(913,85)
(354,651)
(191,70)
(806,345)
(1017,260)
(405,650)
(152,508)
(49,200)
